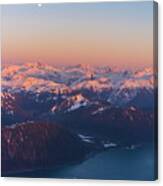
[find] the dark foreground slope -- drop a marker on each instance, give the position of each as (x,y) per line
(33,145)
(124,126)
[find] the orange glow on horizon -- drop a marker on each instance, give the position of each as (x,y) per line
(70,39)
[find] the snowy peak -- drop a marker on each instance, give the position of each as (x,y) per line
(143,73)
(137,83)
(78,98)
(38,85)
(96,85)
(77,102)
(71,103)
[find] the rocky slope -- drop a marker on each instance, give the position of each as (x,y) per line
(124,126)
(35,145)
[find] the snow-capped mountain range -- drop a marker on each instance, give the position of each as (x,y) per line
(38,77)
(66,89)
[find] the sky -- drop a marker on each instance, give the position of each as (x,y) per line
(115,34)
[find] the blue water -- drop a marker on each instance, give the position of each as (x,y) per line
(117,163)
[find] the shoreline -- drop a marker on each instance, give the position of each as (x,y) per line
(55,167)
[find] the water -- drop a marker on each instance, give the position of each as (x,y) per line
(117,163)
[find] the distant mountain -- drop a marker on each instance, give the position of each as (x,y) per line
(113,85)
(33,89)
(70,104)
